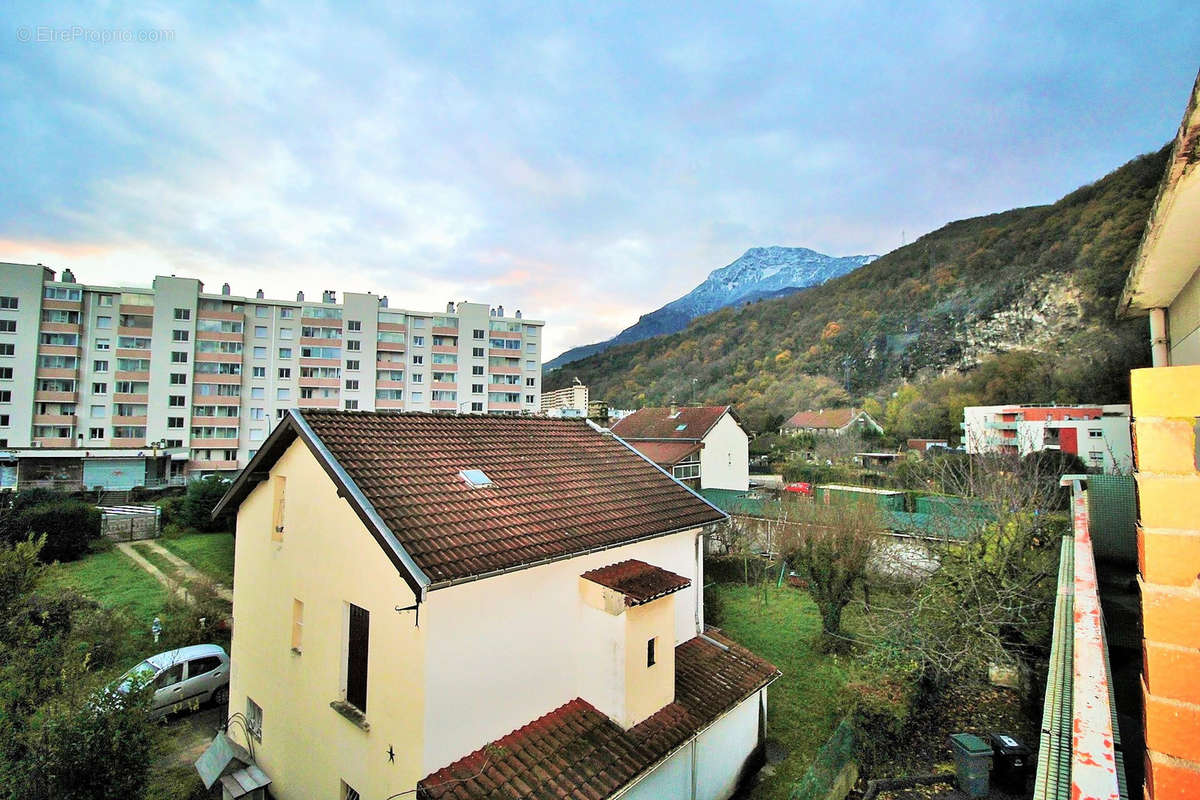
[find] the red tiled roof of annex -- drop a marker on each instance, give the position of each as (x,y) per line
(577,752)
(638,581)
(558,487)
(829,418)
(657,423)
(667,454)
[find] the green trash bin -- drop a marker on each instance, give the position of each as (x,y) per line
(972,763)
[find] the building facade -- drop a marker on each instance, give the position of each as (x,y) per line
(706,447)
(171,368)
(570,401)
(1099,435)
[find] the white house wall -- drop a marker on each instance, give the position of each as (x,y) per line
(504,650)
(725,458)
(671,780)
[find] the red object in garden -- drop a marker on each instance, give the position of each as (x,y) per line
(799,488)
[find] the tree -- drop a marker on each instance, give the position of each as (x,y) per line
(832,547)
(202,497)
(69,526)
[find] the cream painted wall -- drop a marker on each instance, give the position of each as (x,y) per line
(725,459)
(1183,323)
(326,559)
(648,688)
(502,651)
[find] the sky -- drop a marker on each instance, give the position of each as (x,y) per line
(584,162)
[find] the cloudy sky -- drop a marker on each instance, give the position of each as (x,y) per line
(585,162)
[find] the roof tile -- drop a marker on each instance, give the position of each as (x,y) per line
(638,581)
(658,423)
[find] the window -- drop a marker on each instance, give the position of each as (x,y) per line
(352,405)
(262,312)
(6,373)
(99,366)
(285,333)
(202,666)
(260,352)
(477,370)
(99,388)
(258,372)
(105,300)
(530,364)
(104,322)
(477,352)
(531,347)
(477,406)
(285,373)
(348,792)
(9,302)
(257,393)
(178,357)
(5,396)
(260,331)
(287,313)
(417,377)
(297,625)
(169,676)
(61,293)
(530,382)
(351,384)
(183,313)
(178,378)
(353,344)
(257,413)
(357,646)
(418,341)
(478,333)
(254,719)
(418,360)
(354,324)
(418,397)
(8,326)
(418,322)
(1096,456)
(176,401)
(8,349)
(256,434)
(174,422)
(1095,433)
(4,420)
(687,469)
(285,352)
(95,433)
(528,398)
(98,412)
(352,366)
(283,394)
(650,651)
(180,336)
(476,388)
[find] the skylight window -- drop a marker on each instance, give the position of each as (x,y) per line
(475,478)
(681,427)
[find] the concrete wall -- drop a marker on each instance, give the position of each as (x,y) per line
(1166,405)
(326,559)
(725,458)
(502,651)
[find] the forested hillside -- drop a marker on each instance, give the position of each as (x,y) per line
(1012,307)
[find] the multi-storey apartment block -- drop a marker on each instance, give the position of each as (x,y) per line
(195,382)
(1097,434)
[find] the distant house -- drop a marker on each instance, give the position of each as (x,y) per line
(1098,434)
(921,445)
(831,422)
(479,606)
(705,446)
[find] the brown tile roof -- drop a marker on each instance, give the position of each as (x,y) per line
(667,454)
(638,581)
(827,418)
(657,423)
(559,487)
(577,752)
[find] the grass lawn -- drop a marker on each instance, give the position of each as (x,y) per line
(113,580)
(211,553)
(159,560)
(806,704)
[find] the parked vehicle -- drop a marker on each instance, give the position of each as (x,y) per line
(189,675)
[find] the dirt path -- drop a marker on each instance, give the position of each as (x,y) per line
(186,570)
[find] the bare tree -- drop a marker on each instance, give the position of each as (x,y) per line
(832,547)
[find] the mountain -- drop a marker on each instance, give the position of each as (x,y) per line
(1017,306)
(760,272)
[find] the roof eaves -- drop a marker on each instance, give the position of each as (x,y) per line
(251,474)
(413,575)
(602,431)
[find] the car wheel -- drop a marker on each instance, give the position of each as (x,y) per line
(220,696)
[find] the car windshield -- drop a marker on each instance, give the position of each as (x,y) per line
(143,672)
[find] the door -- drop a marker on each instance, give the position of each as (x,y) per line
(204,675)
(356,658)
(168,690)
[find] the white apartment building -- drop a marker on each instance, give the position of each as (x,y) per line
(570,401)
(110,373)
(1099,435)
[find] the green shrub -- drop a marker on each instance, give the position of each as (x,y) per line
(735,569)
(881,713)
(714,606)
(196,509)
(70,526)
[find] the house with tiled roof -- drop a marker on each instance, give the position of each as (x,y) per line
(704,446)
(480,606)
(831,422)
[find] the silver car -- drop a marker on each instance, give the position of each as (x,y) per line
(183,678)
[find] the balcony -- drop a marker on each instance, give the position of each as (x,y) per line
(56,372)
(53,441)
(61,327)
(390,347)
(55,397)
(215,422)
(136,420)
(125,330)
(320,362)
(388,384)
(394,327)
(211,465)
(218,336)
(217,400)
(444,405)
(216,377)
(124,375)
(62,305)
(397,404)
(513,370)
(136,442)
(492,406)
(219,358)
(319,402)
(121,397)
(314,383)
(232,316)
(54,419)
(213,444)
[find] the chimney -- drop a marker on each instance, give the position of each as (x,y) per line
(674,408)
(299,297)
(259,294)
(68,276)
(225,288)
(499,311)
(383,302)
(328,296)
(450,307)
(518,313)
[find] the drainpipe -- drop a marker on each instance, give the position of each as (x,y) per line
(1159,354)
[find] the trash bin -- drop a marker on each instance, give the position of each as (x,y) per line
(972,763)
(1011,763)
